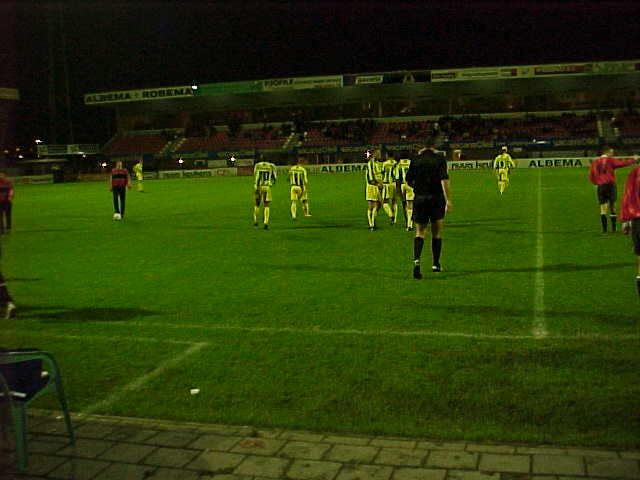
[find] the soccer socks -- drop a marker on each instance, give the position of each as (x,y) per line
(436,249)
(603,220)
(418,243)
(409,217)
(502,186)
(395,213)
(266,215)
(256,210)
(387,210)
(613,217)
(370,218)
(638,284)
(294,209)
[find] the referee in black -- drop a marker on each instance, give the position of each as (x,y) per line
(430,181)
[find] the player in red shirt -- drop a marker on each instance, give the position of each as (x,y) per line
(6,199)
(602,175)
(630,214)
(118,184)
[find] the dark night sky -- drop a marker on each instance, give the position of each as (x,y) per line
(128,45)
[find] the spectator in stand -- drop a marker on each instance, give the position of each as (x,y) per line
(6,201)
(601,174)
(630,215)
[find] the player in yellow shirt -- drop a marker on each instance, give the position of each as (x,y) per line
(264,177)
(502,165)
(389,202)
(406,192)
(137,170)
(373,175)
(299,189)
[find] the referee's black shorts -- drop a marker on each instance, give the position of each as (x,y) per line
(428,208)
(607,192)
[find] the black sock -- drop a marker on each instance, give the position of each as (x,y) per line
(638,284)
(436,248)
(612,217)
(603,219)
(418,243)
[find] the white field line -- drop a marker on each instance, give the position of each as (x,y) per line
(140,381)
(539,321)
(382,332)
(106,338)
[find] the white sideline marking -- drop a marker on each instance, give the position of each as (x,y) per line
(400,333)
(140,381)
(110,338)
(539,319)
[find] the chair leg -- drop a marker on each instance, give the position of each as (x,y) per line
(20,431)
(65,410)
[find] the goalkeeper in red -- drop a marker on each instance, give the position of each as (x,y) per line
(630,215)
(603,176)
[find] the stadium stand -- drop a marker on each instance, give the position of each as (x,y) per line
(126,144)
(627,123)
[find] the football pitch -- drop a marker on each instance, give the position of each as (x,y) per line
(530,334)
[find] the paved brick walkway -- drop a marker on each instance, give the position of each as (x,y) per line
(111,448)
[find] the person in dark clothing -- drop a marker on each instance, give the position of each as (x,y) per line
(6,199)
(6,302)
(430,181)
(119,181)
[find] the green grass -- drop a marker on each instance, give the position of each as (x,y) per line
(318,324)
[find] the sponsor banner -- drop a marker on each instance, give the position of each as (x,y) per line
(630,140)
(32,180)
(225,154)
(466,74)
(563,69)
(302,83)
(318,149)
(144,95)
(553,162)
(93,177)
(470,164)
(70,149)
(9,93)
(228,88)
(224,172)
(616,68)
(217,163)
(575,142)
(369,80)
(471,145)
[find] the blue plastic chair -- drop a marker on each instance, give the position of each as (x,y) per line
(23,373)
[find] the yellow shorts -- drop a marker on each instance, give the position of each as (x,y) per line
(503,175)
(389,192)
(374,194)
(263,193)
(297,193)
(139,177)
(407,193)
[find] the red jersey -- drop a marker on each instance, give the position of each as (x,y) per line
(6,190)
(602,168)
(120,177)
(631,199)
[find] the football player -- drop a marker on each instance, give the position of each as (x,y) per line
(502,165)
(264,177)
(299,188)
(389,202)
(373,177)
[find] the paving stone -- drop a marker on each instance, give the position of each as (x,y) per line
(306,450)
(541,451)
(172,439)
(94,430)
(218,429)
(441,446)
(79,469)
(130,434)
(558,465)
(583,452)
(476,447)
(492,462)
(86,448)
(402,457)
(269,433)
(471,475)
(258,446)
(122,471)
(419,474)
(365,472)
(216,462)
(345,440)
(47,444)
(313,470)
(455,459)
(264,466)
(212,441)
(171,457)
(127,452)
(610,467)
(352,453)
(39,464)
(174,474)
(302,436)
(50,427)
(393,443)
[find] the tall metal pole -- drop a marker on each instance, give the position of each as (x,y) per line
(65,70)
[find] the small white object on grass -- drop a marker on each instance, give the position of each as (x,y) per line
(194,391)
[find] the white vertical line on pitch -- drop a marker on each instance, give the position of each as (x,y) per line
(140,381)
(539,320)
